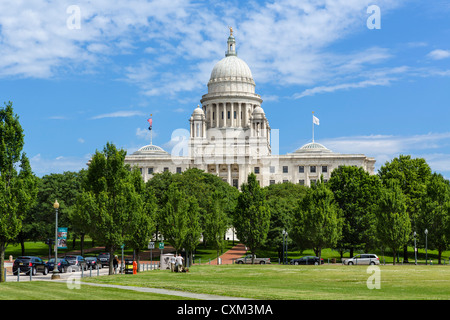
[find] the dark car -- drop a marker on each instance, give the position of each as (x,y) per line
(77,262)
(103,258)
(307,260)
(63,265)
(92,262)
(27,263)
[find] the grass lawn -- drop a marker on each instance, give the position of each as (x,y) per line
(44,290)
(333,282)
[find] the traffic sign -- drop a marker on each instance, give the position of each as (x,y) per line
(161,245)
(151,245)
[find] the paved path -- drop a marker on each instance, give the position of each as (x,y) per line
(231,255)
(184,294)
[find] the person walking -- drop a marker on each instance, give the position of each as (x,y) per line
(115,263)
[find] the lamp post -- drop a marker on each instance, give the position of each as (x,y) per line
(415,249)
(426,246)
(55,274)
(285,246)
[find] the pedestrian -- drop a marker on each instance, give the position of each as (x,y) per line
(172,263)
(115,263)
(179,263)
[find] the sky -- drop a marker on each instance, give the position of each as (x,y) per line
(83,73)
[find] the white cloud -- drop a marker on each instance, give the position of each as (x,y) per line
(119,114)
(439,54)
(386,147)
(45,165)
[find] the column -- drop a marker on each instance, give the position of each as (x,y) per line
(232,115)
(229,175)
(217,115)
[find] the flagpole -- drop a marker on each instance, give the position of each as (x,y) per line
(313,127)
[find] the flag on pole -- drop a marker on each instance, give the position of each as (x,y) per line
(150,121)
(315,120)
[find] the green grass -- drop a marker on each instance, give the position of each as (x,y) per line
(43,290)
(268,282)
(299,282)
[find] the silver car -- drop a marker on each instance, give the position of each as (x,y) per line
(365,258)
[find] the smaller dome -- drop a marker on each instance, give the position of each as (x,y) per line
(312,147)
(152,150)
(198,111)
(258,110)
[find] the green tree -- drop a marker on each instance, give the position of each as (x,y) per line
(411,175)
(195,231)
(172,219)
(393,223)
(435,214)
(18,185)
(282,199)
(252,215)
(111,199)
(317,221)
(215,222)
(141,222)
(356,192)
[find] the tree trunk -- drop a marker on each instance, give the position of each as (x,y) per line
(82,244)
(22,244)
(351,252)
(111,258)
(2,262)
(394,253)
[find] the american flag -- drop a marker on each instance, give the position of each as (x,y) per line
(150,121)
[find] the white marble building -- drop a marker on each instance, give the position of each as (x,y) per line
(230,136)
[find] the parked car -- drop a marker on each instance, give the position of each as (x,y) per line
(103,258)
(77,262)
(248,259)
(307,260)
(365,258)
(27,263)
(63,265)
(92,262)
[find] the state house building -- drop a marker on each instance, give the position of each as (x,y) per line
(230,136)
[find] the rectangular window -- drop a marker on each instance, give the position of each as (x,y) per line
(150,170)
(234,115)
(285,169)
(301,169)
(222,115)
(272,182)
(214,116)
(301,182)
(178,169)
(236,183)
(324,169)
(285,181)
(228,114)
(312,169)
(256,170)
(166,169)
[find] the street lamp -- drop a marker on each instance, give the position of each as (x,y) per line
(285,246)
(415,248)
(426,246)
(55,274)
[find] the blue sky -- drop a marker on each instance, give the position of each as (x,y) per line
(381,92)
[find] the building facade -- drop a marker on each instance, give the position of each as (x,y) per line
(230,136)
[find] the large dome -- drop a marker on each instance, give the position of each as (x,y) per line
(232,68)
(231,74)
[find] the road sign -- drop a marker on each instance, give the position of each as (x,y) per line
(151,245)
(161,245)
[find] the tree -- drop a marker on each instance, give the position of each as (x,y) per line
(252,215)
(172,219)
(317,220)
(411,175)
(110,197)
(18,185)
(195,231)
(356,192)
(393,223)
(435,213)
(282,199)
(215,222)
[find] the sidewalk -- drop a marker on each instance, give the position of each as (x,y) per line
(231,255)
